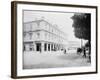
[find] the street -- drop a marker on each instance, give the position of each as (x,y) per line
(33,60)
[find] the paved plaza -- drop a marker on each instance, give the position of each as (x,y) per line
(33,60)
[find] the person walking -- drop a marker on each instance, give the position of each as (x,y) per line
(84,52)
(64,51)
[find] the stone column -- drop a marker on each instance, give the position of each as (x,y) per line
(34,46)
(47,47)
(50,47)
(53,47)
(57,47)
(27,47)
(42,46)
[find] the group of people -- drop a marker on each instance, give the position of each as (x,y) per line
(85,51)
(64,51)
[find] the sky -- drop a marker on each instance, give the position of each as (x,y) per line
(61,19)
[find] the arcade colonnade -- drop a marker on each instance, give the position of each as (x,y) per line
(43,46)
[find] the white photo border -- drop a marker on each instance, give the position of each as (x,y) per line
(42,72)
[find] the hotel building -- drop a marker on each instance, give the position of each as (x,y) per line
(41,36)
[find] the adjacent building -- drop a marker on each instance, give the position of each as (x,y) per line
(74,45)
(42,36)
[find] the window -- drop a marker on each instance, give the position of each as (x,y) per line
(42,25)
(45,35)
(31,47)
(24,34)
(34,26)
(30,34)
(27,27)
(38,35)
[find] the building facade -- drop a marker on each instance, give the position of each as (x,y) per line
(74,45)
(41,36)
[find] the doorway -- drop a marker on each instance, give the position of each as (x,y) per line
(38,47)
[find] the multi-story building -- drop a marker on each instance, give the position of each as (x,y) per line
(74,44)
(40,35)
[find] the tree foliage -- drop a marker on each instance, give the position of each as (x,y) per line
(82,25)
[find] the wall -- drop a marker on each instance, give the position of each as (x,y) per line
(5,40)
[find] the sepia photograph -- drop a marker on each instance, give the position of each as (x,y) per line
(53,39)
